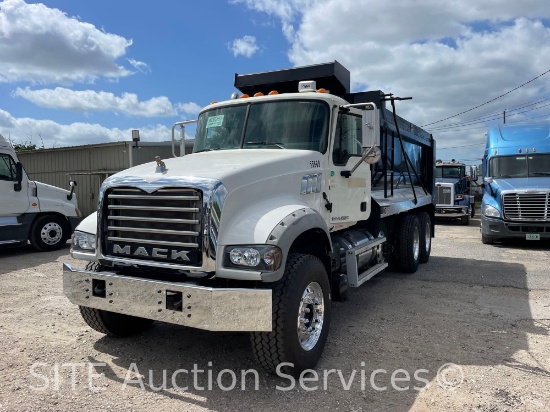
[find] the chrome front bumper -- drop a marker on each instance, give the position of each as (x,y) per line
(215,309)
(444,211)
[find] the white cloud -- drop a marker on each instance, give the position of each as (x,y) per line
(140,66)
(92,101)
(42,45)
(52,134)
(192,109)
(449,56)
(245,46)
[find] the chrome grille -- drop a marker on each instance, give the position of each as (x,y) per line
(526,206)
(444,195)
(162,226)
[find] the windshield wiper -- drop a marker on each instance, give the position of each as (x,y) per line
(539,173)
(278,144)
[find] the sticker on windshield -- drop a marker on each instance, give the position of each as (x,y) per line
(214,121)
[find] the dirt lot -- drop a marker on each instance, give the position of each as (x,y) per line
(468,331)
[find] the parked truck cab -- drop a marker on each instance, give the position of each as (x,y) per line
(292,194)
(32,211)
(453,191)
(516,174)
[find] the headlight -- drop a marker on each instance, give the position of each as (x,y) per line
(264,258)
(490,211)
(84,241)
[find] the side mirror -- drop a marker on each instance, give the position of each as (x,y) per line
(18,176)
(72,183)
(371,125)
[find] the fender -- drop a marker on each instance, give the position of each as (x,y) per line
(88,224)
(274,221)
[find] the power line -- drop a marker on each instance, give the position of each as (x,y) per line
(495,115)
(492,100)
(456,147)
(530,120)
(458,125)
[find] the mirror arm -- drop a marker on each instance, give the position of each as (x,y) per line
(347,173)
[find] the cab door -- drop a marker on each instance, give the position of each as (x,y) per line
(12,203)
(350,196)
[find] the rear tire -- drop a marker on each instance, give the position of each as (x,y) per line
(465,220)
(110,323)
(48,233)
(425,236)
(301,317)
(408,244)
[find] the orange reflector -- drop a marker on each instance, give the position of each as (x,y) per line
(258,94)
(214,102)
(244,96)
(35,204)
(321,90)
(272,92)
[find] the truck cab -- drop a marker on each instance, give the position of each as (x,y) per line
(453,191)
(516,180)
(32,211)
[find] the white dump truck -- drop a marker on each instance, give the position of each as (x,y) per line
(32,211)
(296,190)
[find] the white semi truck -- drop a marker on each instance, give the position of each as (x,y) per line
(296,190)
(32,211)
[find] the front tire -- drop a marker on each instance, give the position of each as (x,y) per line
(48,233)
(110,323)
(486,240)
(465,220)
(408,244)
(301,317)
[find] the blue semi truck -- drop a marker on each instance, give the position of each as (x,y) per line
(516,188)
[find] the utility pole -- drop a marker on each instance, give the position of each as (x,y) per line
(504,114)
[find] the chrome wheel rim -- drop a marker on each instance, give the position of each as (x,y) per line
(416,243)
(428,236)
(51,233)
(310,316)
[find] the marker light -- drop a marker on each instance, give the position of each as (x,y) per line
(272,92)
(321,90)
(214,102)
(244,96)
(527,150)
(258,94)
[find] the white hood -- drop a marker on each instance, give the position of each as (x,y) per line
(234,168)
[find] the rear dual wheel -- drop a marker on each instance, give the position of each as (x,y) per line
(408,244)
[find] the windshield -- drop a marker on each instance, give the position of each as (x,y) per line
(520,166)
(449,172)
(289,124)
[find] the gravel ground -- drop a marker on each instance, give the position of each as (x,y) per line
(468,331)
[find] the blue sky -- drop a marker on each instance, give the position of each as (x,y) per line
(79,72)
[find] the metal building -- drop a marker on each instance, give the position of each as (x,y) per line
(90,165)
